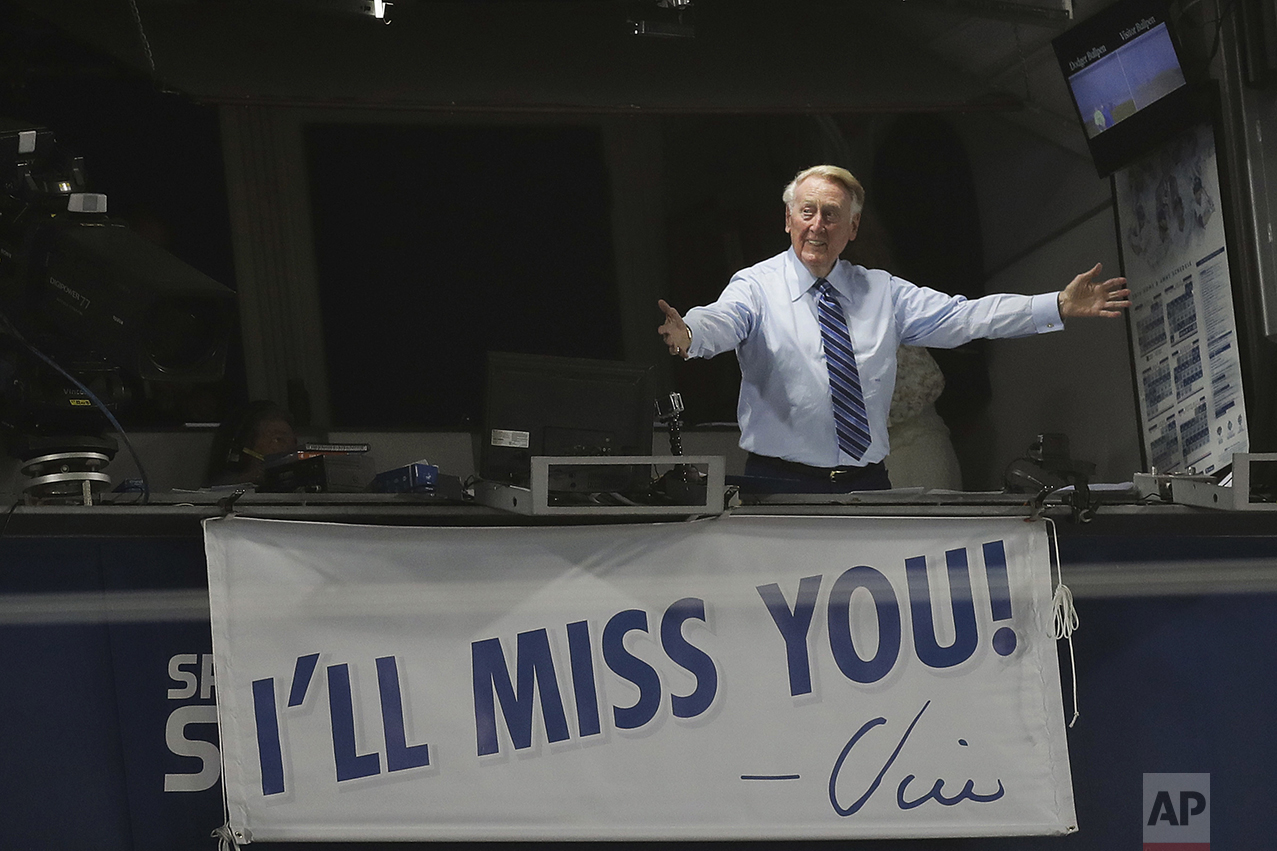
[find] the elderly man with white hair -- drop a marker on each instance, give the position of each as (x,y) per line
(816,337)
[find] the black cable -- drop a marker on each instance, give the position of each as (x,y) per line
(7,326)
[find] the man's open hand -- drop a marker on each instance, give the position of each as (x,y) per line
(1085,296)
(674,331)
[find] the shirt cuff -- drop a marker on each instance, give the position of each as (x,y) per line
(694,350)
(1046,313)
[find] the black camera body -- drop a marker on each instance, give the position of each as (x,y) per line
(67,267)
(83,290)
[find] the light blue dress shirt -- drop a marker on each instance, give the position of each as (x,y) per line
(767,314)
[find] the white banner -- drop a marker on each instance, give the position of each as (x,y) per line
(737,678)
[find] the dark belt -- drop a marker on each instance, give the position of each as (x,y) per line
(834,475)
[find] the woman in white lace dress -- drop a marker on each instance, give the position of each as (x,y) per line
(921,452)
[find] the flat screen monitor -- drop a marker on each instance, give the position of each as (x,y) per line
(1127,81)
(546,405)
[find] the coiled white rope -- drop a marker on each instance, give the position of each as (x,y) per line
(1063,613)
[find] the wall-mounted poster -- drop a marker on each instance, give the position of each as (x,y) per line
(1183,329)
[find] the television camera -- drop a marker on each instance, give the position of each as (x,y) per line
(89,312)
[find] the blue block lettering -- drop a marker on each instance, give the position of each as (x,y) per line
(583,688)
(995,568)
(351,764)
(534,674)
(849,662)
(302,672)
(268,748)
(924,629)
(399,754)
(629,667)
(686,655)
(794,627)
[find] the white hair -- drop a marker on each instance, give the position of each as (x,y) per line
(834,174)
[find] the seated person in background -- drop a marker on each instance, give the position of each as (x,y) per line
(921,454)
(244,440)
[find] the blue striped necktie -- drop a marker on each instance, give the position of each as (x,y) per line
(850,421)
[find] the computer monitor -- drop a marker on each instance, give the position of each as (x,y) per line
(1128,84)
(546,405)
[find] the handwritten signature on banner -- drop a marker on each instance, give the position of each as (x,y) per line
(936,792)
